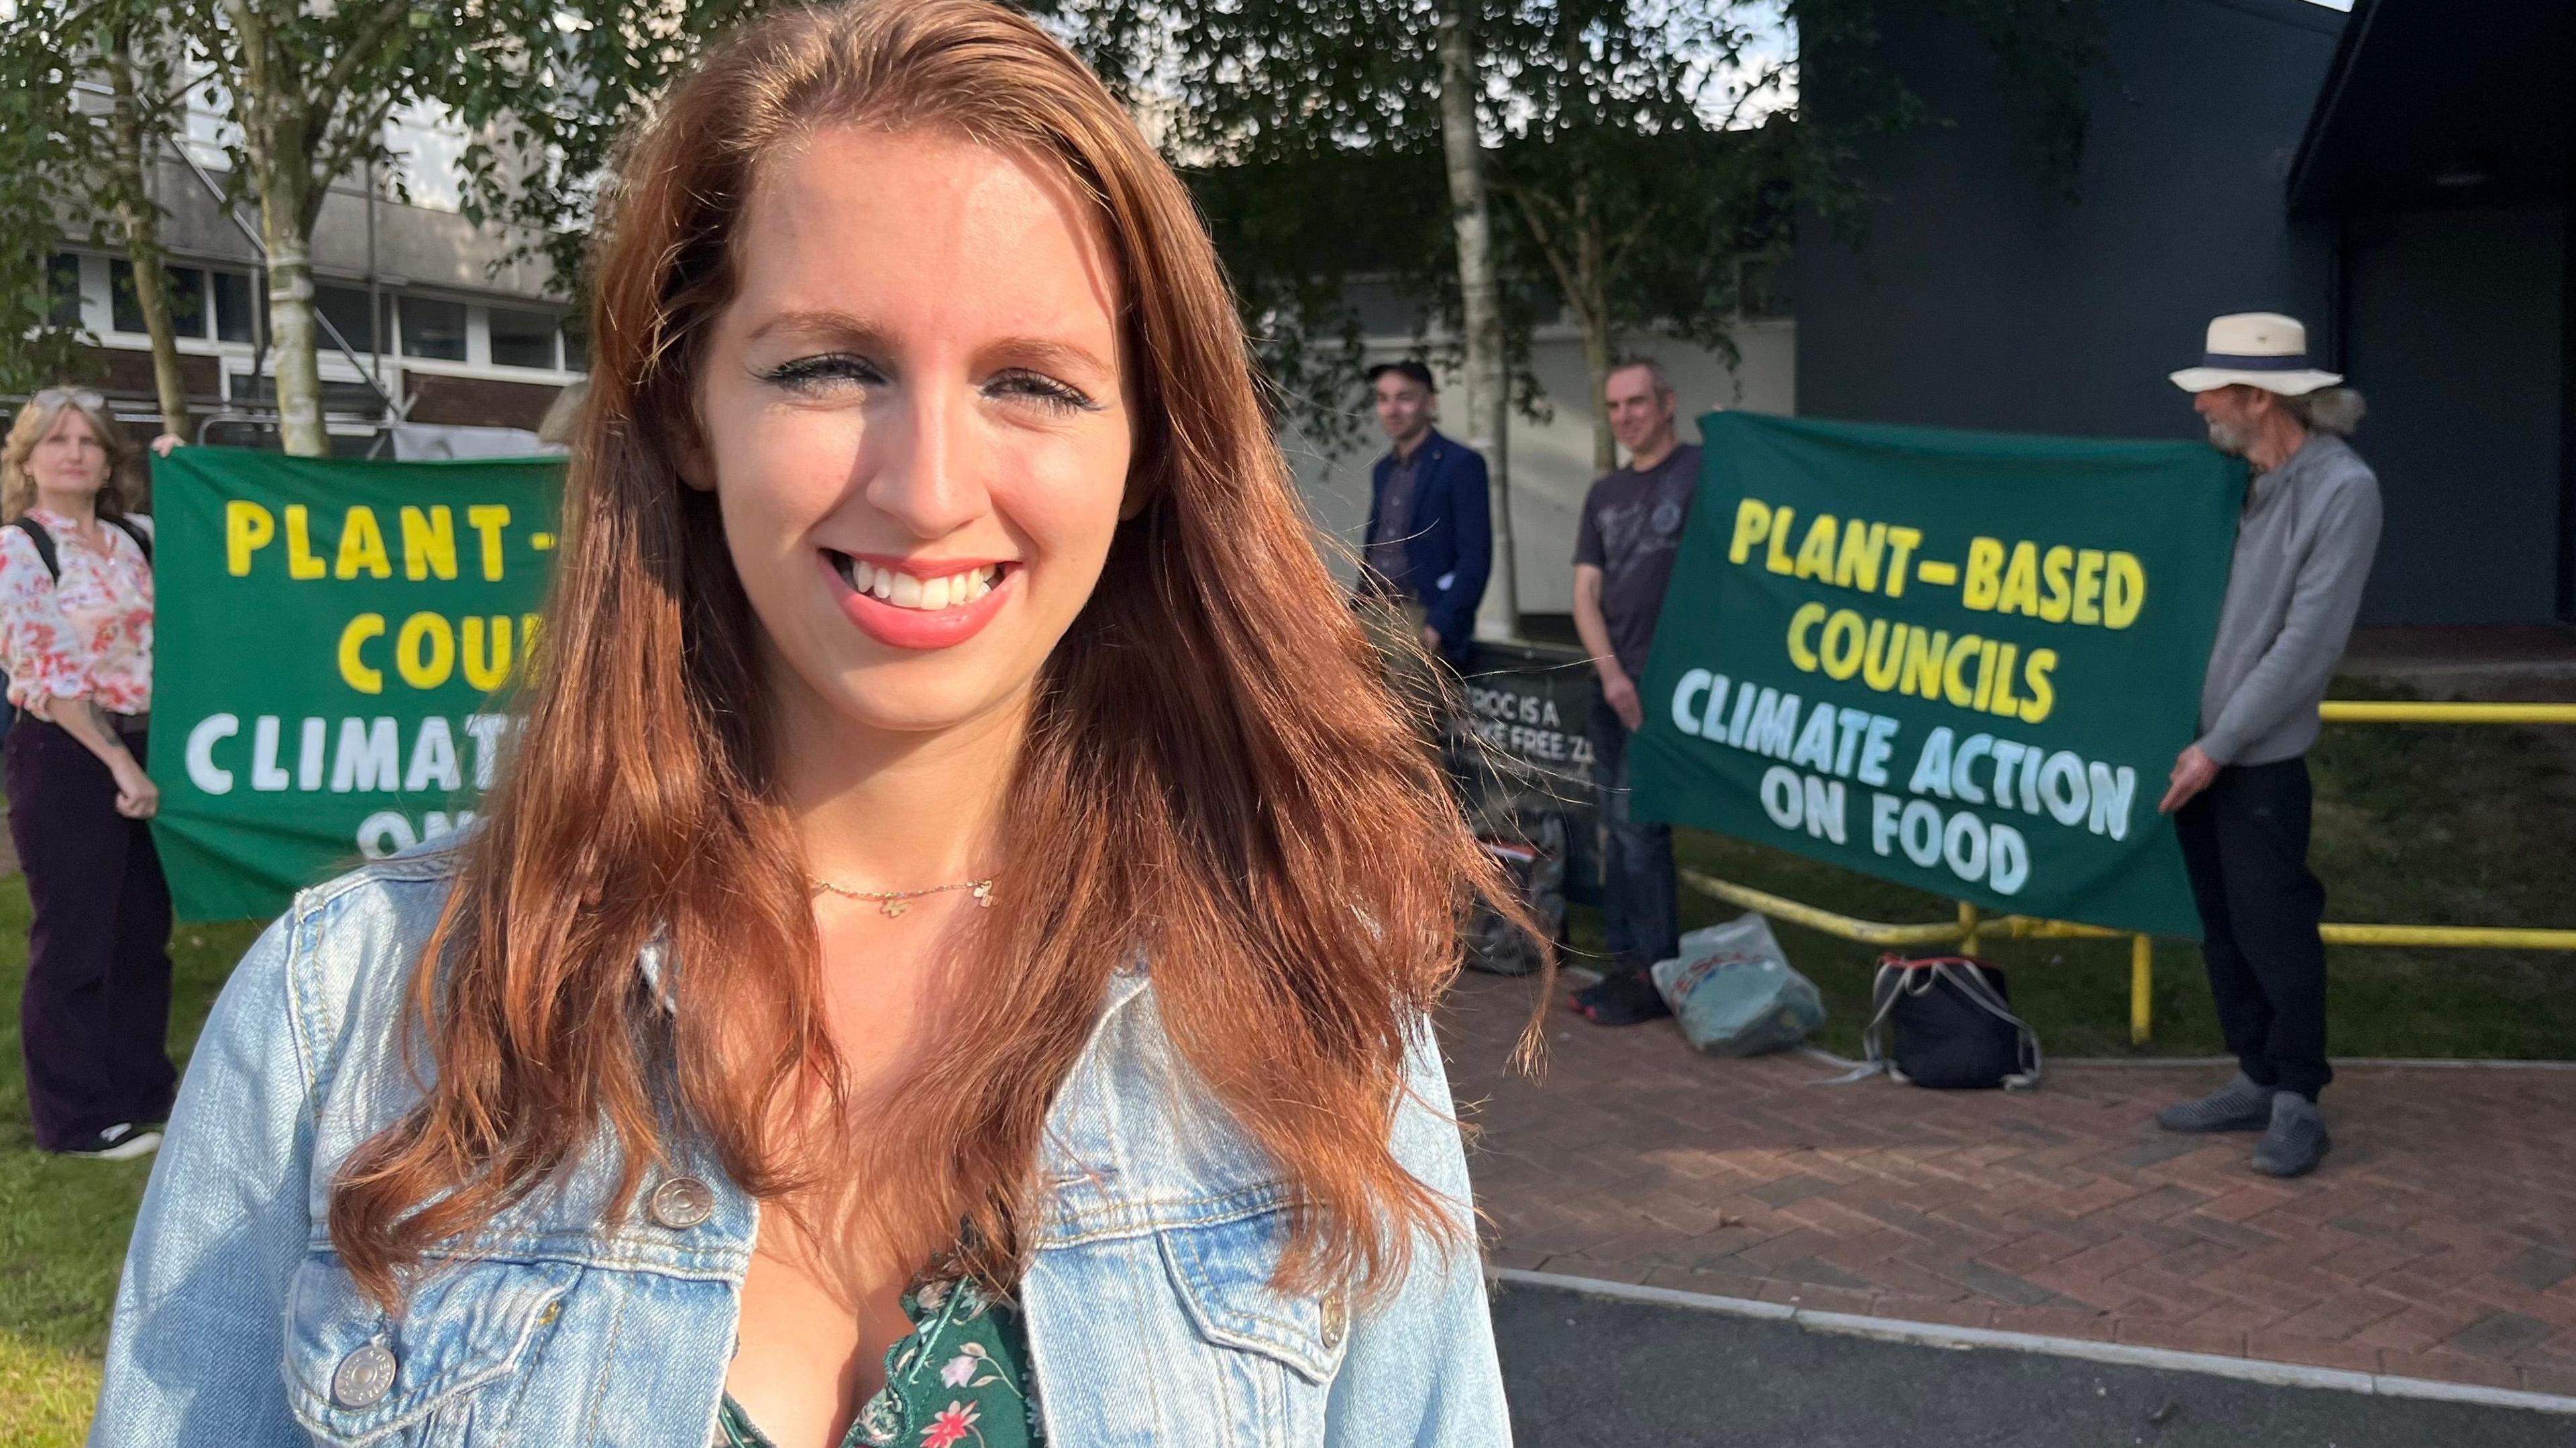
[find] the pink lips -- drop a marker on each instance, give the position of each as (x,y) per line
(914,628)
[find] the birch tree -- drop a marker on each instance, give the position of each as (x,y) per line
(1635,163)
(310,87)
(1628,155)
(1488,401)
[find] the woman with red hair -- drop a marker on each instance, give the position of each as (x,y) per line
(951,958)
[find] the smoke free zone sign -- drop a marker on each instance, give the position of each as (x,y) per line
(1959,661)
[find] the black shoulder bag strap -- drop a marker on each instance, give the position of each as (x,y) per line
(53,560)
(44,542)
(131,529)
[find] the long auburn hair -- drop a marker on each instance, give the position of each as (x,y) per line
(37,418)
(1214,781)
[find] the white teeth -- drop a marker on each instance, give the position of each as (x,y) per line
(905,590)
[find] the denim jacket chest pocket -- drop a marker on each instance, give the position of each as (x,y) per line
(457,1351)
(1221,1275)
(1167,1330)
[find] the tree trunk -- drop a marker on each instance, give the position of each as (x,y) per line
(1488,400)
(1592,307)
(140,217)
(1596,360)
(292,334)
(267,104)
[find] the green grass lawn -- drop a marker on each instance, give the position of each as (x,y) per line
(63,1222)
(2415,824)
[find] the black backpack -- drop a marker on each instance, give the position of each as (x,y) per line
(1953,1025)
(53,559)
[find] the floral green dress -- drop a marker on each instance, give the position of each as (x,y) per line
(961,1377)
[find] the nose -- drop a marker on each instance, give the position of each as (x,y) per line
(932,467)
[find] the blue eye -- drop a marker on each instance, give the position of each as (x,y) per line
(819,373)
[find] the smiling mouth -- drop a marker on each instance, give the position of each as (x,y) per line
(908,590)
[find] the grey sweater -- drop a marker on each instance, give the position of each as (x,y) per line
(2303,552)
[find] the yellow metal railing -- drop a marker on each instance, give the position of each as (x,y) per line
(2392,711)
(1971,925)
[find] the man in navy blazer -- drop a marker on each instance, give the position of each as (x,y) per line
(1430,529)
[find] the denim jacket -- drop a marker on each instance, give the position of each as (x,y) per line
(1149,1311)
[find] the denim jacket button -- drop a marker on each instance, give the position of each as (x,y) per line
(363,1377)
(1333,1320)
(681,1203)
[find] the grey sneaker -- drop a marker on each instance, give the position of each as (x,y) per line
(2243,1104)
(2296,1140)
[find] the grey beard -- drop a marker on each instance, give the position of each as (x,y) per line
(2228,441)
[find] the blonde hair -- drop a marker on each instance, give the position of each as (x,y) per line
(35,420)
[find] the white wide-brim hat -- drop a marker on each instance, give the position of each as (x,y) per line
(2257,349)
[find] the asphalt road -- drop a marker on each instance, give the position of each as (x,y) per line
(1585,1370)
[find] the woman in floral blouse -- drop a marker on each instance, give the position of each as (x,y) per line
(76,641)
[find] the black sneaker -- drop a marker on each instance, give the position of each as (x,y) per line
(1626,999)
(122,1142)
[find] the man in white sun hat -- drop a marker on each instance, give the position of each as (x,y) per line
(2240,792)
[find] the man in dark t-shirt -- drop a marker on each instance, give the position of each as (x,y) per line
(1623,558)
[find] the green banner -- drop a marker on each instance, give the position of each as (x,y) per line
(1960,661)
(329,641)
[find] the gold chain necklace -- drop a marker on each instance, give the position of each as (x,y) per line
(894,902)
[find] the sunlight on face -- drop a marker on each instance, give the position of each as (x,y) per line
(916,423)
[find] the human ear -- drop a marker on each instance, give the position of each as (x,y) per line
(1139,492)
(689,457)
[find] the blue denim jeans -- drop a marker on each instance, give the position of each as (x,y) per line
(1640,918)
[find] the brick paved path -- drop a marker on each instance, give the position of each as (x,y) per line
(2437,1241)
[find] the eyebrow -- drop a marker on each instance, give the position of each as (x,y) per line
(1031,351)
(843,324)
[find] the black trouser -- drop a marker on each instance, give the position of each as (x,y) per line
(2245,842)
(1640,917)
(94,1018)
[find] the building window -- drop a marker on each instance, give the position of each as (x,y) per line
(183,286)
(236,306)
(522,339)
(576,348)
(63,282)
(347,309)
(433,329)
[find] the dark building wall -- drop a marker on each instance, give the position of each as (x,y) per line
(1981,299)
(2455,322)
